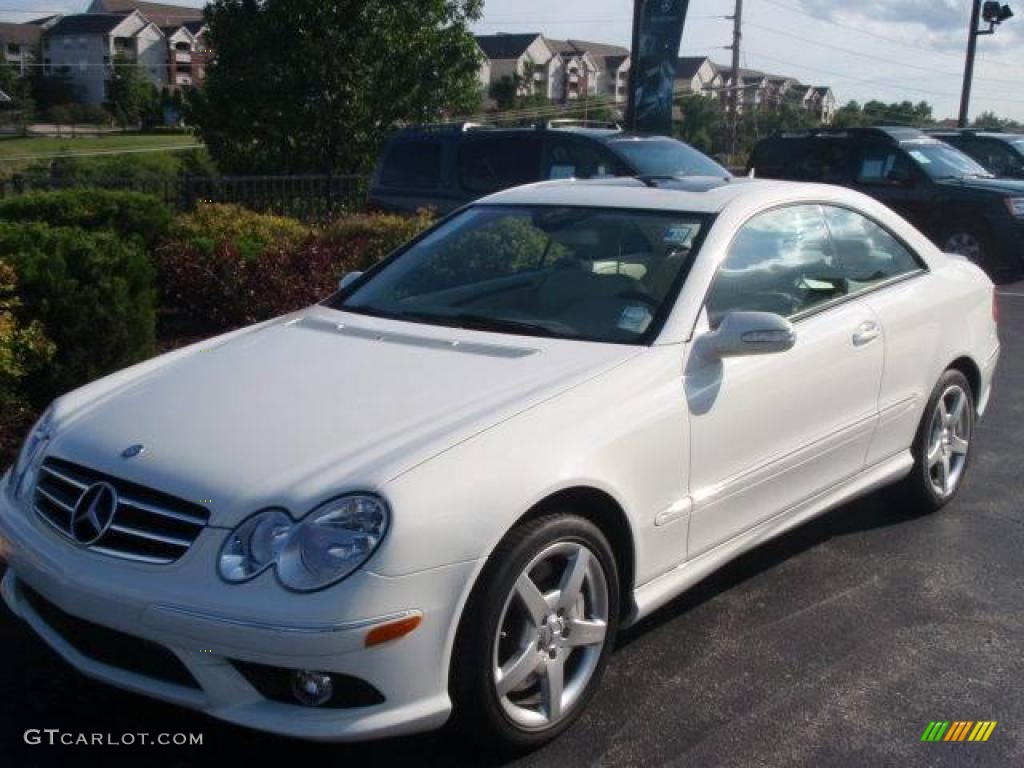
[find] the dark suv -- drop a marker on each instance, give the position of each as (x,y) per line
(447,166)
(942,191)
(1000,153)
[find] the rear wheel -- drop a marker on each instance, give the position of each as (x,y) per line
(536,634)
(942,447)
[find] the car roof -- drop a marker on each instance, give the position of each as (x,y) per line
(478,132)
(696,194)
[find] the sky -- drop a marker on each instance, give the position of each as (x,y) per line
(890,50)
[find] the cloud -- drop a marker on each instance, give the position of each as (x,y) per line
(937,15)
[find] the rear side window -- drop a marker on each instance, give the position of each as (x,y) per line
(781,261)
(497,163)
(412,165)
(865,253)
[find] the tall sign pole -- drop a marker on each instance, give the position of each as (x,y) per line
(657,32)
(634,67)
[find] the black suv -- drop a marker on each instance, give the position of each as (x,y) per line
(446,166)
(1000,153)
(956,202)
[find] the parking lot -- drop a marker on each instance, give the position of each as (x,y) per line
(834,645)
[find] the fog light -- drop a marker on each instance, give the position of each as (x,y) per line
(312,688)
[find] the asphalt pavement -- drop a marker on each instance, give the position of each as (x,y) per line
(834,645)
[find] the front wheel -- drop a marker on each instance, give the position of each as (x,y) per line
(536,633)
(942,447)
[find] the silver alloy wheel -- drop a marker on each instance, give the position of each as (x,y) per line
(966,244)
(551,635)
(949,436)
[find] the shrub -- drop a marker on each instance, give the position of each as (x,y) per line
(23,349)
(214,226)
(366,238)
(131,214)
(211,283)
(90,292)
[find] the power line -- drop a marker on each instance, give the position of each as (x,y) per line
(877,81)
(886,38)
(872,57)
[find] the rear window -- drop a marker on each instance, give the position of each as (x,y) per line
(412,165)
(498,163)
(665,157)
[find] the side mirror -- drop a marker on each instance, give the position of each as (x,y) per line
(347,279)
(749,333)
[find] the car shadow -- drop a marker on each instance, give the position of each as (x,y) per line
(875,510)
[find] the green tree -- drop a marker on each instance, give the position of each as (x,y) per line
(990,121)
(701,122)
(133,96)
(53,88)
(850,115)
(317,85)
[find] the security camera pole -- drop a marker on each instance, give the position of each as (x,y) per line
(994,14)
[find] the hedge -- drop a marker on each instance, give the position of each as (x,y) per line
(131,214)
(91,293)
(224,276)
(23,349)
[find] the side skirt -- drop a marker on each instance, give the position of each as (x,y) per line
(657,592)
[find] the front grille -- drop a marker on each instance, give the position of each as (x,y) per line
(108,646)
(147,526)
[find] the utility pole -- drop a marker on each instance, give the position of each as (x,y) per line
(994,14)
(734,92)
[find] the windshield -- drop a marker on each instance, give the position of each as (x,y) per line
(1019,145)
(665,157)
(595,274)
(941,161)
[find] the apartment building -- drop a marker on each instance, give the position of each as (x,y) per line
(19,44)
(559,70)
(166,42)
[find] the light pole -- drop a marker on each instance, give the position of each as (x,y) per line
(993,14)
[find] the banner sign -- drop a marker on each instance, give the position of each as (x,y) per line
(657,32)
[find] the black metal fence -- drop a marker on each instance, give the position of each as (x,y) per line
(309,197)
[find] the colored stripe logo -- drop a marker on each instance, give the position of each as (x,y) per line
(958,730)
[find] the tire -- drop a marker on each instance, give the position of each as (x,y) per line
(942,445)
(970,240)
(516,644)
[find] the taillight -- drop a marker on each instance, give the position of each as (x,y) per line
(995,306)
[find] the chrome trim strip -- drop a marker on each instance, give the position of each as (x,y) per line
(54,500)
(162,538)
(310,629)
(130,556)
(160,511)
(46,519)
(61,476)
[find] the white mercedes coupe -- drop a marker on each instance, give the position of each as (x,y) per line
(439,494)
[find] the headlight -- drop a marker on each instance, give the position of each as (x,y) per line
(31,449)
(326,546)
(254,545)
(1016,206)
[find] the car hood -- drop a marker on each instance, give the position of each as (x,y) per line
(313,405)
(997,186)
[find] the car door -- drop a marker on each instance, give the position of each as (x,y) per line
(888,174)
(771,432)
(892,280)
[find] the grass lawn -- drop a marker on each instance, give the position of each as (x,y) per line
(17,153)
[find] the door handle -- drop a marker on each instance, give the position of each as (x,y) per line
(866,332)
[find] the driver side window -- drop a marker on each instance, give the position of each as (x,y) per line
(781,261)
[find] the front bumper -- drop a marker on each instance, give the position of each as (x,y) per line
(207,625)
